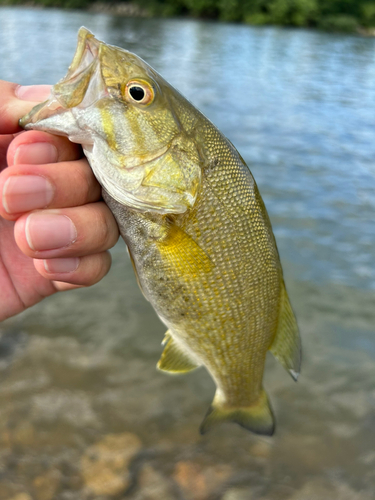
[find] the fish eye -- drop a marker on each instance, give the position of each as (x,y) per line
(139,91)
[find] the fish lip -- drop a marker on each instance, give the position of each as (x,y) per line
(86,41)
(76,83)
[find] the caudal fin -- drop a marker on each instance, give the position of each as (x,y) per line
(256,418)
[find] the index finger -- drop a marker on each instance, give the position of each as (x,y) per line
(16,101)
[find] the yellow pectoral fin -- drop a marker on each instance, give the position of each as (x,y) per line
(286,346)
(183,253)
(174,359)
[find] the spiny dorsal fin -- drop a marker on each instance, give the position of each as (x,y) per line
(186,256)
(256,418)
(286,346)
(174,359)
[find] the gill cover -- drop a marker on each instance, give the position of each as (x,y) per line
(121,111)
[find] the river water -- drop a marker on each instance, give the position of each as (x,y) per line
(83,412)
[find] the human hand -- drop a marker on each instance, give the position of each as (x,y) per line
(55,231)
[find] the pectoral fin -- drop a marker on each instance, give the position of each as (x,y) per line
(184,254)
(286,346)
(174,359)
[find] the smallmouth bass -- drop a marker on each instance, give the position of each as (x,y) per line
(189,210)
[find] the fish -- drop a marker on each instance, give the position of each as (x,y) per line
(196,228)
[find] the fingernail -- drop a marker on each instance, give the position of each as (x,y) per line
(33,92)
(49,231)
(55,266)
(38,153)
(26,192)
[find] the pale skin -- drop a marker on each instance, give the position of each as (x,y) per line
(55,230)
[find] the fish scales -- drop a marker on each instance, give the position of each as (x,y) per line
(189,210)
(230,296)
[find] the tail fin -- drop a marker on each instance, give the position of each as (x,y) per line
(257,418)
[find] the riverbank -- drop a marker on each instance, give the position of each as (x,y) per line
(356,16)
(125,9)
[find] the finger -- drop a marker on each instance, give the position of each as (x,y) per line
(57,185)
(81,271)
(5,141)
(60,286)
(16,101)
(70,232)
(35,147)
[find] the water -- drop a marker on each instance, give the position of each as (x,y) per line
(80,367)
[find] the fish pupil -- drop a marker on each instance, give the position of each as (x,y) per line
(137,93)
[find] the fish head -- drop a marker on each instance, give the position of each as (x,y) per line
(123,113)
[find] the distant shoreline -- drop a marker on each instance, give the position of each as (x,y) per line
(132,9)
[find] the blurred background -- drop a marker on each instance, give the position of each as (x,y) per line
(83,412)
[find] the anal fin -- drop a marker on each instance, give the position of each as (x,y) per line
(286,346)
(174,359)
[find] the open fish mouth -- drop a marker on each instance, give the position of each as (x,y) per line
(141,162)
(84,70)
(87,50)
(82,86)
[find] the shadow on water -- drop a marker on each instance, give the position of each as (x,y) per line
(83,412)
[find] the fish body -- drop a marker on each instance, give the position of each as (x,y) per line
(196,227)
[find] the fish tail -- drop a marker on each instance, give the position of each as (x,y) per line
(257,418)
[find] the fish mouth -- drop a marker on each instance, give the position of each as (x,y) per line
(87,50)
(72,90)
(81,87)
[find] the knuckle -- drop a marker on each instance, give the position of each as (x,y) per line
(90,189)
(82,180)
(108,228)
(99,267)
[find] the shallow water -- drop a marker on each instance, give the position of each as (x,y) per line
(83,412)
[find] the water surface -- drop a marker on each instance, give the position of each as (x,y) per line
(78,381)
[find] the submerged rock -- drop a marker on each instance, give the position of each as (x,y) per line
(153,486)
(322,490)
(198,483)
(21,496)
(72,407)
(261,449)
(104,465)
(47,485)
(238,494)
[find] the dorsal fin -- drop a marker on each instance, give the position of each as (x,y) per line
(286,346)
(174,359)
